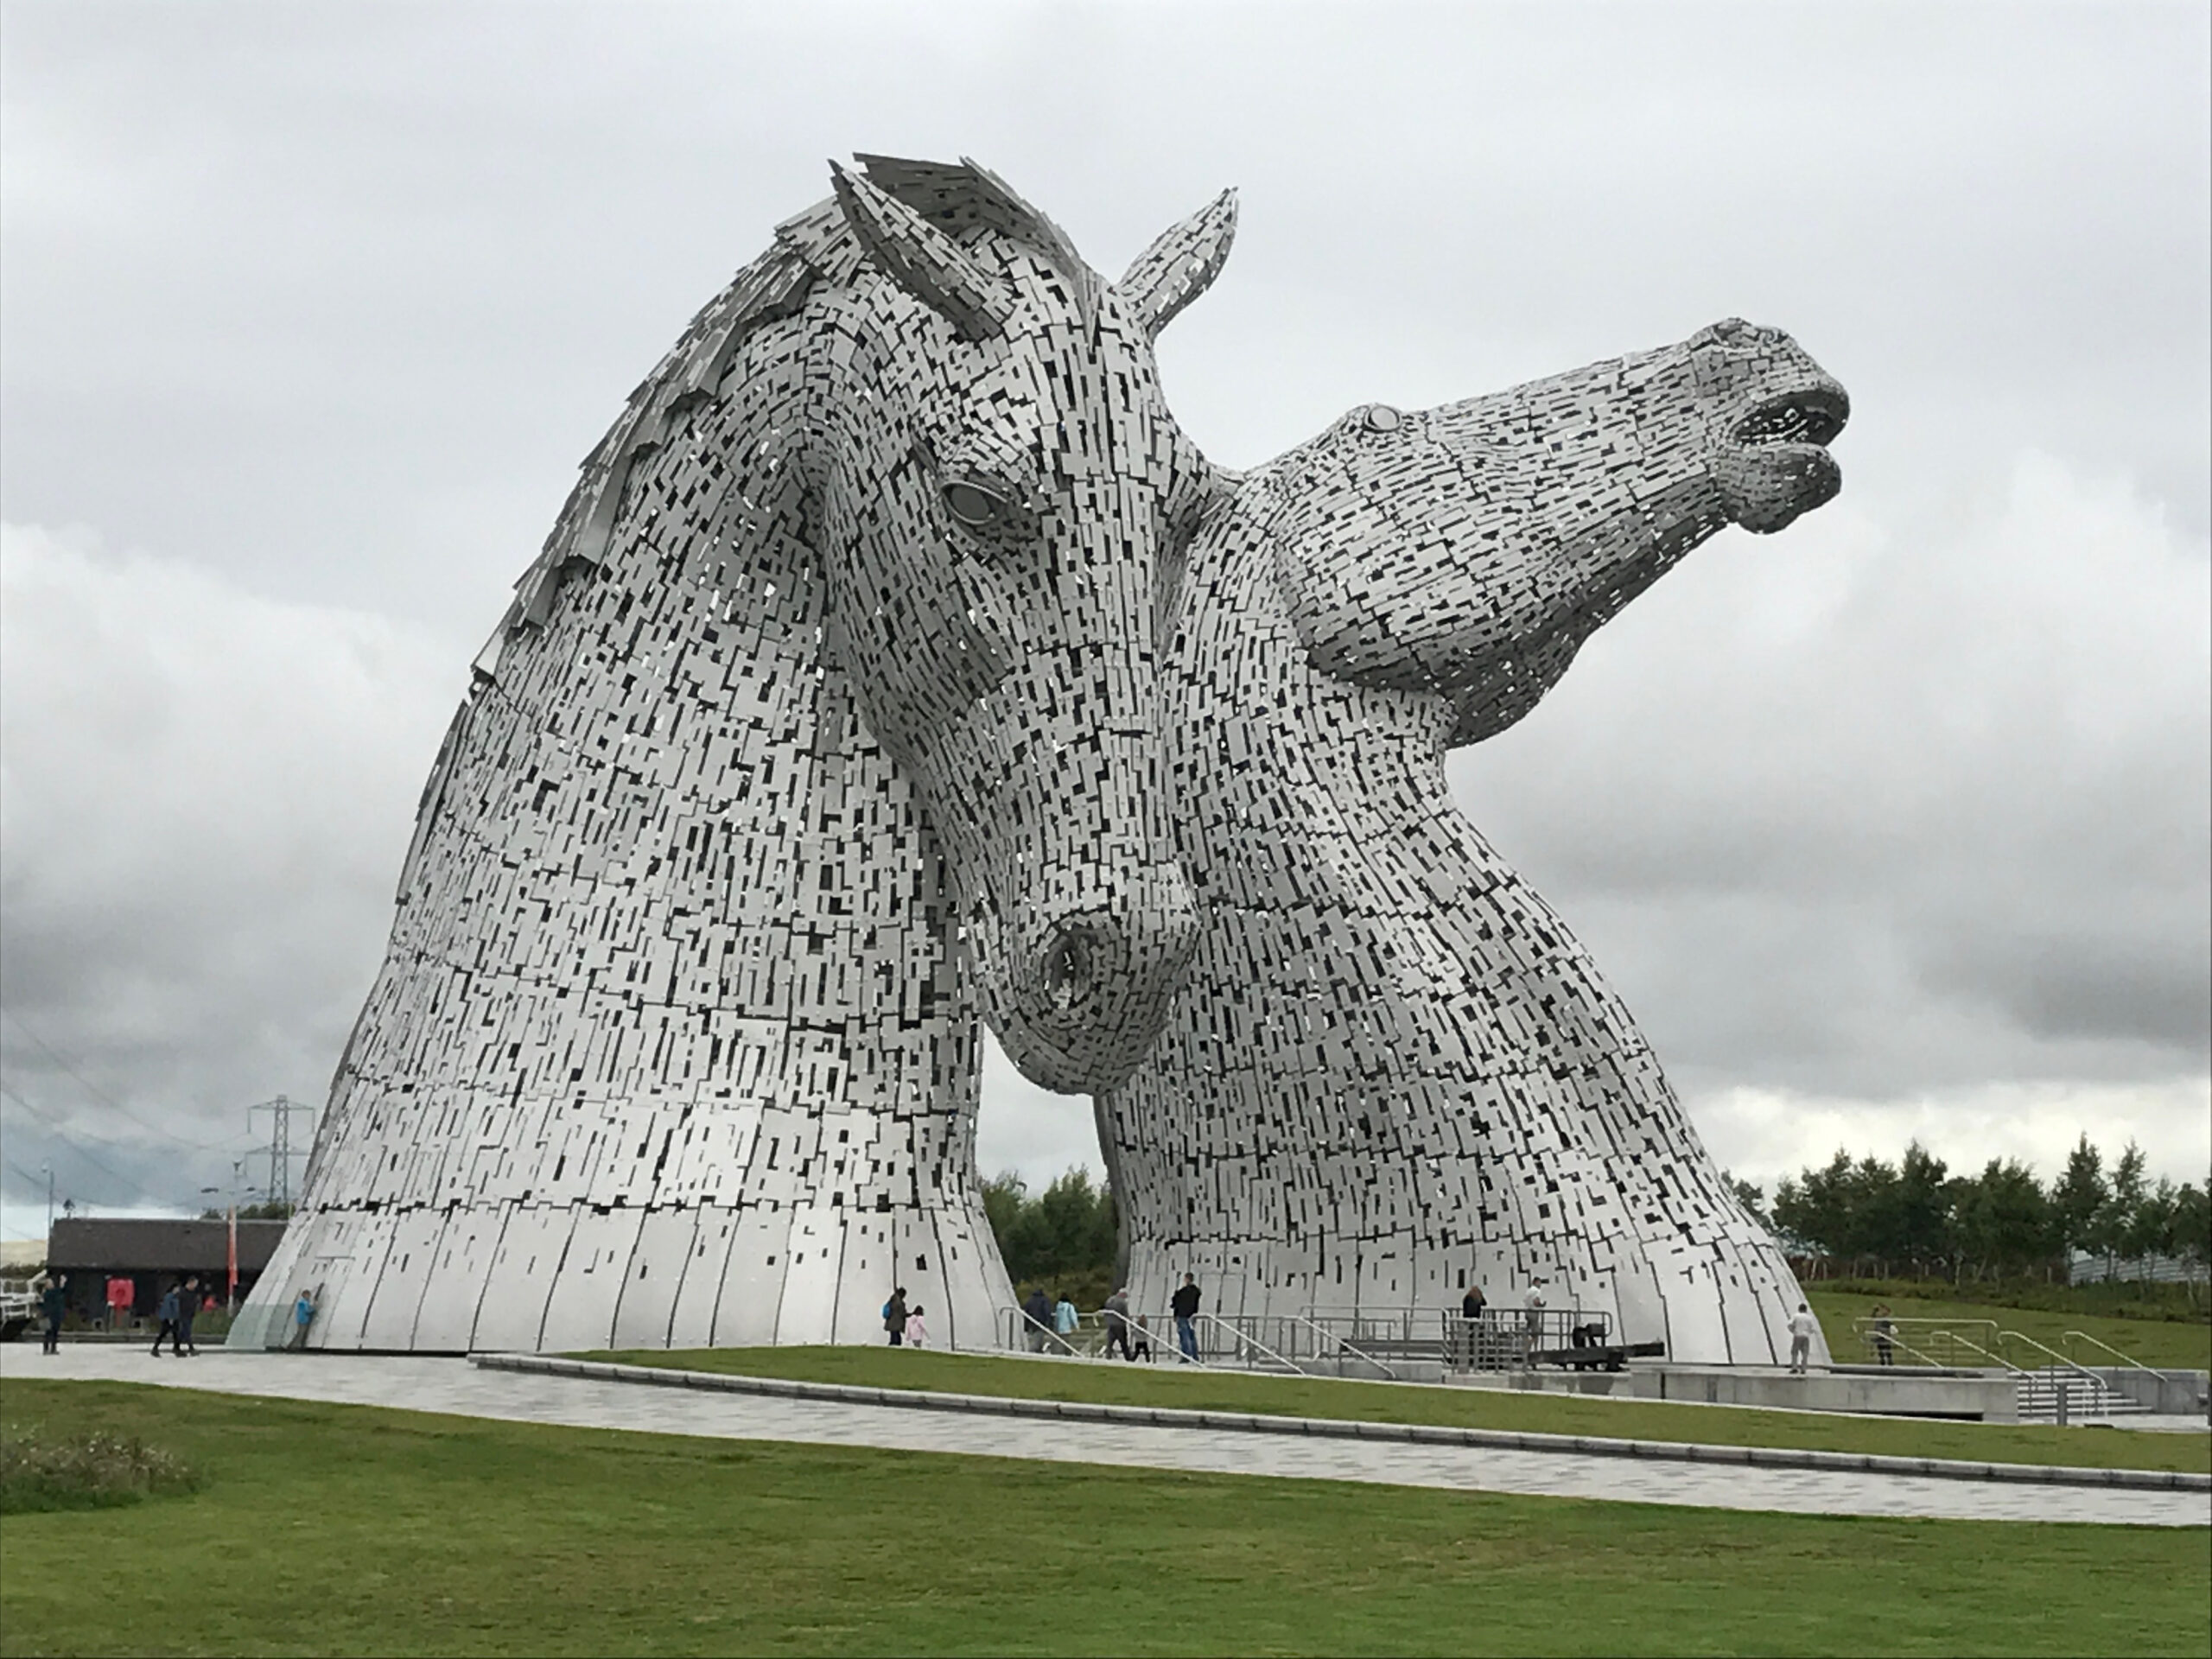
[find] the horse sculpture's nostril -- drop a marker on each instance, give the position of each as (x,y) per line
(1067,967)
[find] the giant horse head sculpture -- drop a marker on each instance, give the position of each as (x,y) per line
(1003,495)
(840,666)
(1473,547)
(1393,1072)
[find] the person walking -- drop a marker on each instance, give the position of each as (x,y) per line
(167,1311)
(302,1317)
(894,1316)
(918,1334)
(1884,1335)
(1803,1327)
(1184,1306)
(1117,1323)
(1144,1340)
(1037,1319)
(187,1310)
(1066,1321)
(54,1304)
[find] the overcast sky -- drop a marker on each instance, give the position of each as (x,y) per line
(1894,824)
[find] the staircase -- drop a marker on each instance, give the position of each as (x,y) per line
(2086,1394)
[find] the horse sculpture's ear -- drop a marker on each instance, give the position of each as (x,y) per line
(1180,265)
(922,259)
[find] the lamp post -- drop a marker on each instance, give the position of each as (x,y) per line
(231,1242)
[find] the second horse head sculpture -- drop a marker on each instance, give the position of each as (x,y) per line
(1393,1070)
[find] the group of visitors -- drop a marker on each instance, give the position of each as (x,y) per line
(179,1307)
(904,1325)
(1049,1323)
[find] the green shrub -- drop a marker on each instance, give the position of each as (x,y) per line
(94,1472)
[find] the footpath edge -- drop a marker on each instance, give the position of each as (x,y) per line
(2159,1480)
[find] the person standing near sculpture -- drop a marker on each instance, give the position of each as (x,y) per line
(1037,1319)
(1885,1332)
(894,1316)
(1066,1322)
(302,1317)
(1117,1323)
(918,1333)
(1471,1311)
(1803,1327)
(1184,1306)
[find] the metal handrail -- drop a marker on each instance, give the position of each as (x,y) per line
(2016,1370)
(1346,1347)
(1160,1339)
(1899,1342)
(2130,1358)
(2071,1365)
(1249,1342)
(1045,1331)
(1936,1329)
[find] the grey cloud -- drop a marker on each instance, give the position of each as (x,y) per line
(1865,810)
(322,305)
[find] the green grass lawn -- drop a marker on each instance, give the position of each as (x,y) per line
(324,1528)
(1383,1402)
(2156,1343)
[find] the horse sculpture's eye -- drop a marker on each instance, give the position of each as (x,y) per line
(1380,417)
(974,506)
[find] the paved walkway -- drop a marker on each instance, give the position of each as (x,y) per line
(452,1385)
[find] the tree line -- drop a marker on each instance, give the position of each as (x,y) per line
(1913,1218)
(1064,1238)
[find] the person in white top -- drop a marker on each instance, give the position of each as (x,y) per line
(917,1332)
(1803,1327)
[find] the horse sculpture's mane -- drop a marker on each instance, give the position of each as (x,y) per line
(967,201)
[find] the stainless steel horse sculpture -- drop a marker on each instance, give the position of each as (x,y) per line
(1393,1070)
(825,721)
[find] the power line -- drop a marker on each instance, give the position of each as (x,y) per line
(62,1134)
(36,1181)
(105,1099)
(62,1127)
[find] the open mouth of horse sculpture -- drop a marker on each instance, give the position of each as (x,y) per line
(1774,465)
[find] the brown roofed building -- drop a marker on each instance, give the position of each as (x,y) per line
(84,1254)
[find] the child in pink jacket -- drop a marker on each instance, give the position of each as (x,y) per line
(917,1332)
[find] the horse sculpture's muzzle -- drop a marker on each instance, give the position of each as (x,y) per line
(1772,464)
(1094,977)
